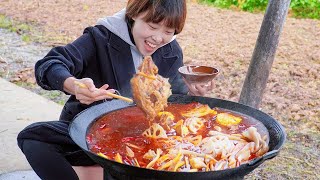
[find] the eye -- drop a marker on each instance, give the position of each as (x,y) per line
(169,32)
(152,27)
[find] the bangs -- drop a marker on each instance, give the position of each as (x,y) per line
(171,18)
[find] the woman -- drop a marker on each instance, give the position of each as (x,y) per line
(104,58)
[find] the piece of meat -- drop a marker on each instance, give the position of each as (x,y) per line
(150,90)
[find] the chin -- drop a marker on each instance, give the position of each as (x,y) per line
(146,53)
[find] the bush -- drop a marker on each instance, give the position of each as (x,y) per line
(299,8)
(306,8)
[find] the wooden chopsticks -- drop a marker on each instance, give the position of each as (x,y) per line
(80,84)
(109,94)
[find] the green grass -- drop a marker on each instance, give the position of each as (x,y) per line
(26,38)
(22,29)
(298,8)
(25,84)
(55,96)
(5,23)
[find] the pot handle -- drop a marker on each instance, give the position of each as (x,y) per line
(268,155)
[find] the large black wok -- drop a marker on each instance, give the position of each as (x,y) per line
(113,170)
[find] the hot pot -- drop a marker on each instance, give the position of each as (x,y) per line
(114,170)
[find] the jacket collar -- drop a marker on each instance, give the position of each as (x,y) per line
(165,58)
(123,66)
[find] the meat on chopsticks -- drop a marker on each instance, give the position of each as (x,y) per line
(150,90)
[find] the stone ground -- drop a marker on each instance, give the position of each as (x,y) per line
(20,175)
(19,108)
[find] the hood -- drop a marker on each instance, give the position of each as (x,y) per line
(117,25)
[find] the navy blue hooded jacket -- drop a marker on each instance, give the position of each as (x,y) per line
(106,59)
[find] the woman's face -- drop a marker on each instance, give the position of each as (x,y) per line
(150,36)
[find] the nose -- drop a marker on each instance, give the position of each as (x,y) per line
(157,38)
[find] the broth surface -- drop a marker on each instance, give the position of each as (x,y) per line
(111,133)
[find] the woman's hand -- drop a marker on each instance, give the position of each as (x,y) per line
(200,89)
(88,93)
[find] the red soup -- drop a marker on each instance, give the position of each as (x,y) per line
(185,137)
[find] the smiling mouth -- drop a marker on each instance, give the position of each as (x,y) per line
(151,45)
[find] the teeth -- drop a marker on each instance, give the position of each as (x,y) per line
(151,45)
